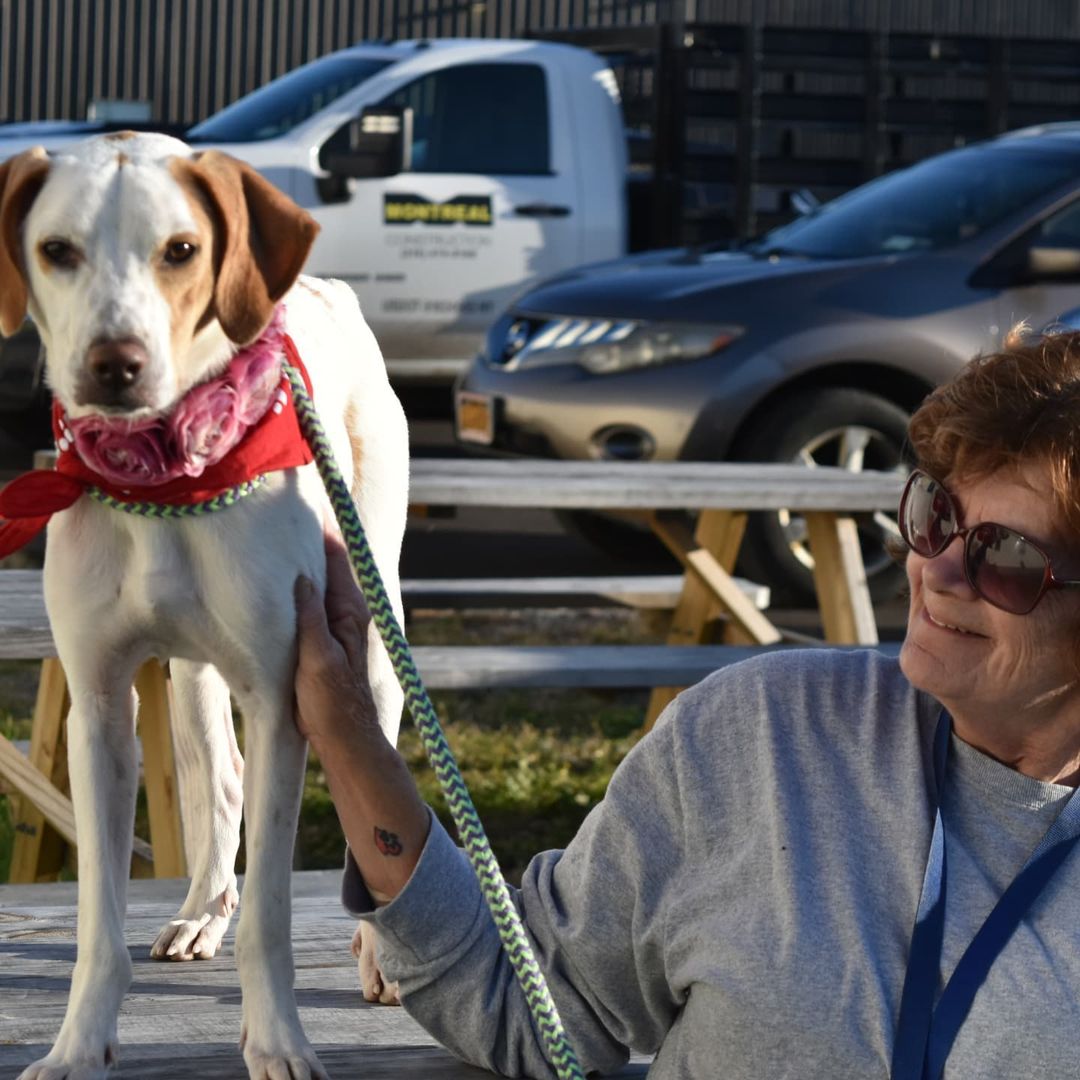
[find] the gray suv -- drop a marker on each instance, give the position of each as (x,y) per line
(811,343)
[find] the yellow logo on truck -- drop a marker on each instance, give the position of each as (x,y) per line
(462,210)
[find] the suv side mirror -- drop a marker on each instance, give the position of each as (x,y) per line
(1050,263)
(377,143)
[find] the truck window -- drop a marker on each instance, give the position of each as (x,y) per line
(277,107)
(479,118)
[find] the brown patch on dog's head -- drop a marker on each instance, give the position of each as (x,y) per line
(122,160)
(120,136)
(188,287)
(263,240)
(21,178)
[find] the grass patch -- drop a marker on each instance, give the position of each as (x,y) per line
(535,762)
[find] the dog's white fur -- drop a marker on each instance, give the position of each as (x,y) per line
(213,595)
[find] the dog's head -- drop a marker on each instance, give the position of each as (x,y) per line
(143,264)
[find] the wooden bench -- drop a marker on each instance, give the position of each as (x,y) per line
(25,635)
(647,591)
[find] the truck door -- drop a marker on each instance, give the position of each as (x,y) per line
(487,204)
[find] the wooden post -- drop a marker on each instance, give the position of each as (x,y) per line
(39,850)
(159,772)
(44,819)
(847,616)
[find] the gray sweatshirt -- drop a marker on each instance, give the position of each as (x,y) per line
(741,902)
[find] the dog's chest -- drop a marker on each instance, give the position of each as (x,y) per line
(163,595)
(124,580)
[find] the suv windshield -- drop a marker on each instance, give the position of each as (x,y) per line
(279,106)
(934,204)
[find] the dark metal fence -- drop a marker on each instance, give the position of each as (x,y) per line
(733,104)
(188,58)
(765,110)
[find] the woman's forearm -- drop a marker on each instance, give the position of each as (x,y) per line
(382,815)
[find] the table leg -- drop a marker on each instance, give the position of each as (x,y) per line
(39,850)
(708,556)
(159,772)
(847,616)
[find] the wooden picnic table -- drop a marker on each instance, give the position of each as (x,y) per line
(183,1020)
(721,495)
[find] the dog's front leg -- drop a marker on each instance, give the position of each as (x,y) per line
(272,1039)
(104,778)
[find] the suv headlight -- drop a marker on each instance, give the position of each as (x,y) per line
(607,346)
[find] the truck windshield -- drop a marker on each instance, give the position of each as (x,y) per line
(277,107)
(935,204)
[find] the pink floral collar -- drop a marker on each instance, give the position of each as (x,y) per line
(197,432)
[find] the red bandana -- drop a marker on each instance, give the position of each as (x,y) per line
(275,442)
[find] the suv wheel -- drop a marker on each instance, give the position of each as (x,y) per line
(852,429)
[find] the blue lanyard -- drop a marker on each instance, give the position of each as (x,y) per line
(925,1034)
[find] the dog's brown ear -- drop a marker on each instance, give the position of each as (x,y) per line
(265,239)
(21,178)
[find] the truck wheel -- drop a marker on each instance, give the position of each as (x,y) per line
(852,429)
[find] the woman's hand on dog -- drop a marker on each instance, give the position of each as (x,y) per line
(384,819)
(333,696)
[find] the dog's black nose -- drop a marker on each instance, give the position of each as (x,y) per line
(116,364)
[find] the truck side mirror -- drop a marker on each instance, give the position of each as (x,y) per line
(377,143)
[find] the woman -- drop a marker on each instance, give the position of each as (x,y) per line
(805,840)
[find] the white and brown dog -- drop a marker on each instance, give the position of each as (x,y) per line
(152,273)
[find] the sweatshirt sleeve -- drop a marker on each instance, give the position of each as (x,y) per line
(594,914)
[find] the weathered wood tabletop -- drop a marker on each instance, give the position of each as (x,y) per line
(181,1021)
(649,485)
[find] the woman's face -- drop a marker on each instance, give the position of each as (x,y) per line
(984,664)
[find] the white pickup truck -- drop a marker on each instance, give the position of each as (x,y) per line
(446,175)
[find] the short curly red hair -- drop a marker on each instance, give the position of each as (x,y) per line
(1013,408)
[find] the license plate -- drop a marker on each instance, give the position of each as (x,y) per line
(475,418)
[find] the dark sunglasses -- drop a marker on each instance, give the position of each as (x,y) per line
(1003,567)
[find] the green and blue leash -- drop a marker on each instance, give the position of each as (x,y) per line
(470,829)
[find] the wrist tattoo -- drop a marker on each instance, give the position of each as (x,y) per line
(387,842)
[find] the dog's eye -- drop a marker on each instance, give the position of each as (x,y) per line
(60,253)
(179,251)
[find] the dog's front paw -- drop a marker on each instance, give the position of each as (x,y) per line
(373,984)
(59,1066)
(269,1058)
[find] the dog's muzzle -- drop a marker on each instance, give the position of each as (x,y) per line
(112,375)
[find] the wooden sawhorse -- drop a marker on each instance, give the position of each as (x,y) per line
(708,555)
(43,816)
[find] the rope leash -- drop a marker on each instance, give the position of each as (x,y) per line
(471,831)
